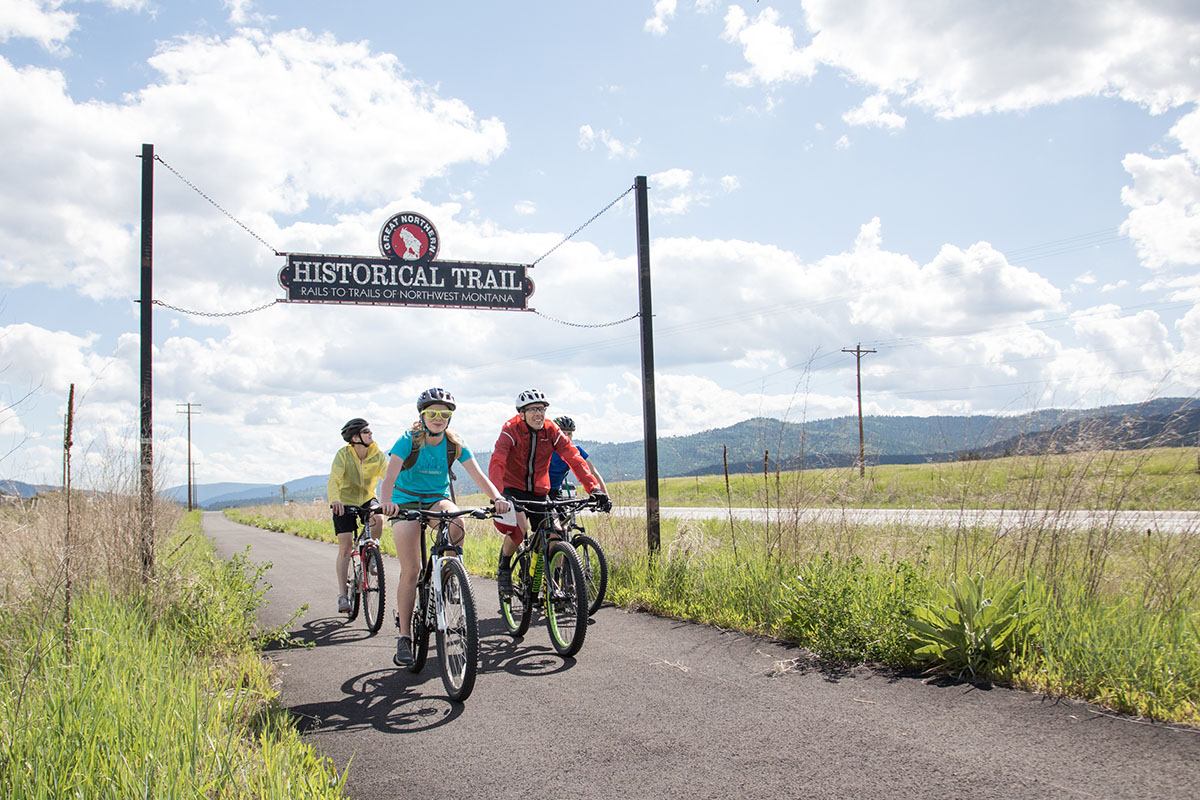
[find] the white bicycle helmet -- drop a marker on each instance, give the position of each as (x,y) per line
(529,397)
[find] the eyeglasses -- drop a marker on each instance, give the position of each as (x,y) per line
(537,409)
(437,414)
(367,431)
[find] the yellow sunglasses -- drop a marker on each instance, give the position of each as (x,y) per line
(437,414)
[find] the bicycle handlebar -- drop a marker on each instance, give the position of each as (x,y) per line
(418,513)
(362,511)
(545,505)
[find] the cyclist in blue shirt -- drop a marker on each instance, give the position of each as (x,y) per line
(559,468)
(418,477)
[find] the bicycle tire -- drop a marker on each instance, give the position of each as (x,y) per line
(374,596)
(352,591)
(516,610)
(458,644)
(420,630)
(566,600)
(594,564)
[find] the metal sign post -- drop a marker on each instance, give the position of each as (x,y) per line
(649,423)
(147,355)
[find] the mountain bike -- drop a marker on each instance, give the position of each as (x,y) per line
(365,586)
(445,603)
(591,556)
(546,572)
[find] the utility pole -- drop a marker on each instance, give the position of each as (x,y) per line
(858,354)
(189,413)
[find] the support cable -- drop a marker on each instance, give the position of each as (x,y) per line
(571,235)
(217,205)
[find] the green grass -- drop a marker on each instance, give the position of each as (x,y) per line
(1156,478)
(155,694)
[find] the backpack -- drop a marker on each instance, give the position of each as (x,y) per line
(453,451)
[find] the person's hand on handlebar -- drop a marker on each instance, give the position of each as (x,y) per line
(602,501)
(388,509)
(338,508)
(502,505)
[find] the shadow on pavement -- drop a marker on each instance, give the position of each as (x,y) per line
(323,632)
(386,700)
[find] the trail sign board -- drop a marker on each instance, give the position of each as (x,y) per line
(407,273)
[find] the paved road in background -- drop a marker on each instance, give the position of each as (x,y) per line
(654,708)
(1001,520)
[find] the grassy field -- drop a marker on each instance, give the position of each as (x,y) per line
(1155,478)
(1102,614)
(137,688)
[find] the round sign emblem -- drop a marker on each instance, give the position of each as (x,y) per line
(408,236)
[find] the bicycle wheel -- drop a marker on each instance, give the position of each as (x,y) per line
(352,590)
(373,599)
(566,600)
(420,628)
(517,609)
(458,643)
(594,564)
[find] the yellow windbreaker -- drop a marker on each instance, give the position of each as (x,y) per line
(352,482)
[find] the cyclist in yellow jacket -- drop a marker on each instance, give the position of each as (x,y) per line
(355,473)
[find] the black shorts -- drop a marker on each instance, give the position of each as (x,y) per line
(347,522)
(535,517)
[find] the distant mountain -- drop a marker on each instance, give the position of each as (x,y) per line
(826,443)
(226,495)
(22,489)
(834,442)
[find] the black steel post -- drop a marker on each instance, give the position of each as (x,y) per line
(649,424)
(147,350)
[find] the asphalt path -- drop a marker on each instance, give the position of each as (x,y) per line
(654,707)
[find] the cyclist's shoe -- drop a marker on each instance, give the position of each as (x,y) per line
(343,604)
(504,579)
(404,656)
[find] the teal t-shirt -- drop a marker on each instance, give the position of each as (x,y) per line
(428,480)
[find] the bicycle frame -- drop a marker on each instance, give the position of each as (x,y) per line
(442,569)
(547,571)
(366,560)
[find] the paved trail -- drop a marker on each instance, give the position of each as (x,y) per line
(658,708)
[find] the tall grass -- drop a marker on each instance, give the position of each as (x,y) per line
(159,690)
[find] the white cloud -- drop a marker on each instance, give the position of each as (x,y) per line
(843,142)
(614,146)
(956,58)
(525,207)
(43,21)
(587,137)
(1164,220)
(210,120)
(663,11)
(730,183)
(769,48)
(875,111)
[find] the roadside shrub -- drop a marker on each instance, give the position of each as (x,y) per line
(852,609)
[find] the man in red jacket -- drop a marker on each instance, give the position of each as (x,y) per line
(520,467)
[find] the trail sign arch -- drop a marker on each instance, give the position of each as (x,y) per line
(406,273)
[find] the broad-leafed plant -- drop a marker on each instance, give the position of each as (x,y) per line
(973,627)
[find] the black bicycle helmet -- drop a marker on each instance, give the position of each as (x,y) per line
(353,427)
(529,397)
(565,423)
(435,395)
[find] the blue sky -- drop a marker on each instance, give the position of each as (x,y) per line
(1000,199)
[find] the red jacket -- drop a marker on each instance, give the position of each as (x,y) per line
(521,458)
